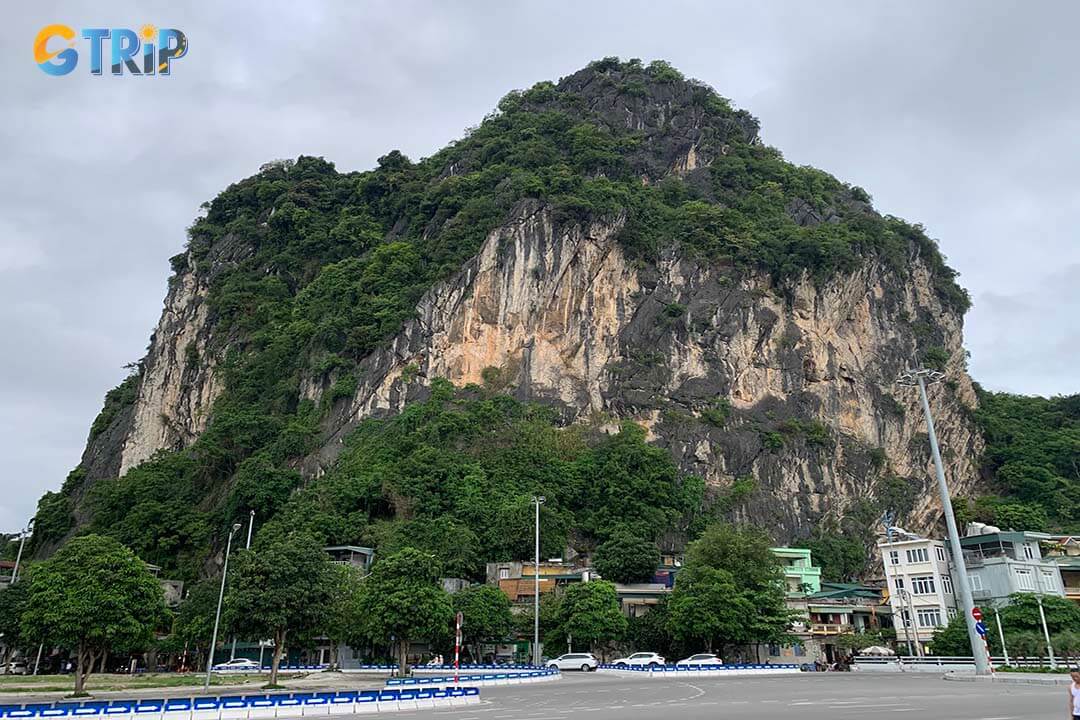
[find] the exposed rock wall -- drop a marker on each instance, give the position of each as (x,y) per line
(564,318)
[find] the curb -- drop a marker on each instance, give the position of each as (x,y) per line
(1005,680)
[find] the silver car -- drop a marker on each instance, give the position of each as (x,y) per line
(574,661)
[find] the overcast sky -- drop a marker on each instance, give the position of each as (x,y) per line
(962,116)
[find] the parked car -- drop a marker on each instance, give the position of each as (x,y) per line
(641,659)
(701,659)
(16,667)
(574,661)
(237,665)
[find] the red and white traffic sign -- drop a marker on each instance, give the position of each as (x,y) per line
(977,614)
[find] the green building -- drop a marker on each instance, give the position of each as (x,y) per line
(801,575)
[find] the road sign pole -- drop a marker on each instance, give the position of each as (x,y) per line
(457,646)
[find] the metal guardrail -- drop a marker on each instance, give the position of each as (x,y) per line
(937,663)
(251,707)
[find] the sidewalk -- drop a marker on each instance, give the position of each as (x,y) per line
(1012,678)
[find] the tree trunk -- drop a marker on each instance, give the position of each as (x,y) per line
(279,647)
(84,665)
(403,657)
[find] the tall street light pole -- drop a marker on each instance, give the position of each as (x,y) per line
(18,556)
(217,615)
(247,546)
(920,378)
(538,500)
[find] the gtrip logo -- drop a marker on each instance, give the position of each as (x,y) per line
(146,52)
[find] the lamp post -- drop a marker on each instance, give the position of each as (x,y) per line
(18,556)
(247,546)
(919,378)
(217,615)
(538,500)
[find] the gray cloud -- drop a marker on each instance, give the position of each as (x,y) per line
(959,115)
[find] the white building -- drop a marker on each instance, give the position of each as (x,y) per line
(921,592)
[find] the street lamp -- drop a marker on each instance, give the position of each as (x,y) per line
(919,378)
(538,500)
(247,546)
(18,556)
(217,615)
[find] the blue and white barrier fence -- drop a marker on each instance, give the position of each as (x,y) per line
(480,679)
(711,671)
(444,669)
(251,707)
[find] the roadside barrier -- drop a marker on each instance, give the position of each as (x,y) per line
(252,707)
(710,671)
(480,679)
(443,669)
(933,663)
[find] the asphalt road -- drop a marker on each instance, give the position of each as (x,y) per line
(811,696)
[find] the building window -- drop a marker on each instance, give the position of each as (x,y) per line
(504,573)
(800,651)
(940,553)
(899,583)
(1024,581)
(923,585)
(1028,552)
(946,584)
(951,612)
(907,618)
(894,557)
(975,582)
(929,618)
(1048,580)
(917,555)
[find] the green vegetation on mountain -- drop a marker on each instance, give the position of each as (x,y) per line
(1033,457)
(311,270)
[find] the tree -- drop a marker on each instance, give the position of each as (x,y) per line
(627,558)
(193,625)
(280,587)
(590,613)
(842,558)
(93,595)
(486,616)
(403,601)
(730,590)
(344,585)
(12,605)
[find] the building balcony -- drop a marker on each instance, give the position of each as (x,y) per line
(830,629)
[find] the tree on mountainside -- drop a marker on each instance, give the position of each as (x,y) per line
(193,625)
(626,558)
(92,596)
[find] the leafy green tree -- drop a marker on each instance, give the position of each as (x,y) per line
(652,631)
(626,558)
(93,595)
(402,601)
(590,614)
(279,588)
(193,625)
(842,558)
(12,605)
(1022,614)
(486,616)
(732,590)
(344,583)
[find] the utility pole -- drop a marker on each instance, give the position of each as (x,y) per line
(1042,618)
(538,500)
(217,615)
(919,378)
(251,524)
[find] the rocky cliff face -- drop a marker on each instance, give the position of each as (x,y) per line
(557,314)
(740,376)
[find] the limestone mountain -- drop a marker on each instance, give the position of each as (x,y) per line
(616,247)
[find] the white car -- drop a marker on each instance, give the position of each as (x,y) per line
(237,665)
(641,659)
(574,661)
(701,659)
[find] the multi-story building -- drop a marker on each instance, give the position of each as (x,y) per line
(800,573)
(920,587)
(1064,551)
(518,579)
(1002,563)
